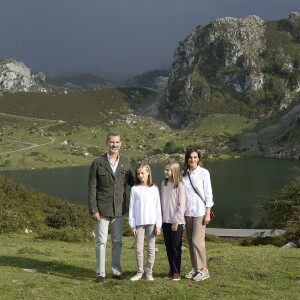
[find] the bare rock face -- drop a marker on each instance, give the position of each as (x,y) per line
(15,76)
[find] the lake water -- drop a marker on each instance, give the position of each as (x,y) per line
(239,185)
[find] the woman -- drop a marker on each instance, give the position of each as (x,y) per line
(199,200)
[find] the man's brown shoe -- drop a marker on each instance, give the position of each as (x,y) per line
(99,279)
(119,277)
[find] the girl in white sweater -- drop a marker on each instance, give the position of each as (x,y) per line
(144,216)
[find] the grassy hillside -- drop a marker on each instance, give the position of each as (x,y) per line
(87,108)
(24,208)
(55,130)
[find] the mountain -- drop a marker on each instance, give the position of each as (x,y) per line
(15,76)
(155,80)
(244,65)
(77,82)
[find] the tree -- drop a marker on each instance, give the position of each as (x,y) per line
(283,210)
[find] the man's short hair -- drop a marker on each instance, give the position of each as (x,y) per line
(112,134)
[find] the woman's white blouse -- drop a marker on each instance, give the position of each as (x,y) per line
(144,207)
(201,181)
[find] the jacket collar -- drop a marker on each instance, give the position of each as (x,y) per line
(105,163)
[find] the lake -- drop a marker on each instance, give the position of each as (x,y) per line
(239,185)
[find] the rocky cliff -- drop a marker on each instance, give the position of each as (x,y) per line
(235,65)
(15,76)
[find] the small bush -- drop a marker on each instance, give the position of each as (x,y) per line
(277,241)
(170,148)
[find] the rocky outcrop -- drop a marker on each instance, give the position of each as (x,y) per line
(235,65)
(15,76)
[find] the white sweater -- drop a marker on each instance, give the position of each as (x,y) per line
(144,208)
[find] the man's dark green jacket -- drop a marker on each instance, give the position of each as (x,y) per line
(107,191)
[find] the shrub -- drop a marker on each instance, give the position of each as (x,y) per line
(170,148)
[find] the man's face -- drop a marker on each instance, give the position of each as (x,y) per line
(114,144)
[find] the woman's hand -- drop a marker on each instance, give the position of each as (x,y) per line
(157,231)
(206,219)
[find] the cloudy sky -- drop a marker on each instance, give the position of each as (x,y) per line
(113,36)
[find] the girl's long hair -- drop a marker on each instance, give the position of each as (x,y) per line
(147,167)
(188,153)
(176,174)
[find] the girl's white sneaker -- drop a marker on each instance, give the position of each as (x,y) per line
(149,277)
(136,277)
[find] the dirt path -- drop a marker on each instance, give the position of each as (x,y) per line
(33,145)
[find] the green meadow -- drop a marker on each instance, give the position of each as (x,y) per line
(39,130)
(32,268)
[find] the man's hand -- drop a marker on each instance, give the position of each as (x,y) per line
(96,216)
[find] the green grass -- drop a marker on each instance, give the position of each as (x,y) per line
(38,269)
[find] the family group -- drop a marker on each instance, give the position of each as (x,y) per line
(184,199)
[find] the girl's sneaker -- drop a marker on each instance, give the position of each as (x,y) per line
(176,276)
(136,277)
(191,274)
(149,277)
(201,275)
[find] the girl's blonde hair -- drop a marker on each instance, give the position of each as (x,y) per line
(176,173)
(147,167)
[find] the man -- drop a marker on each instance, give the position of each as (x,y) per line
(108,178)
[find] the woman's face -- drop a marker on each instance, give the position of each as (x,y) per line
(193,160)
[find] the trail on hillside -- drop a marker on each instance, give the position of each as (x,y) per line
(33,145)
